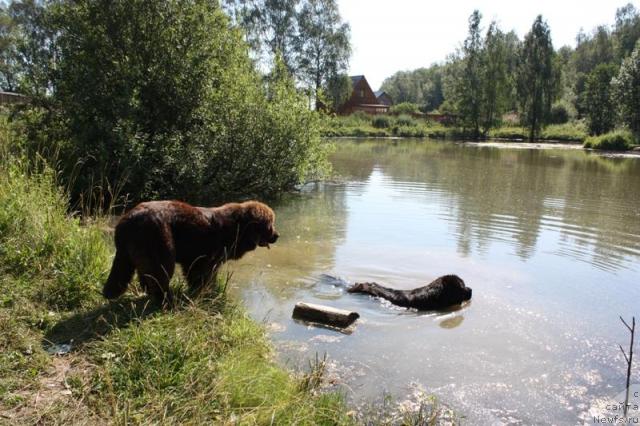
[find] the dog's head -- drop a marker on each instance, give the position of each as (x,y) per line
(454,290)
(254,227)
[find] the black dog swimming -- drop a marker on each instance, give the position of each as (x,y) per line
(443,292)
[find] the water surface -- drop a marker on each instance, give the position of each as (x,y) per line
(549,240)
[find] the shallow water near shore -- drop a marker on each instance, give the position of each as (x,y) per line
(549,240)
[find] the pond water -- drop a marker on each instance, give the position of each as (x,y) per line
(548,239)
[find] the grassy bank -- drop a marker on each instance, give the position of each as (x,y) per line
(613,141)
(363,125)
(68,356)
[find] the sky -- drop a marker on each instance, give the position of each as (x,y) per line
(394,35)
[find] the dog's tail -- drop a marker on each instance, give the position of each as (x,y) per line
(121,273)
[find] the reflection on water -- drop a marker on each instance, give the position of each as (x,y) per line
(549,240)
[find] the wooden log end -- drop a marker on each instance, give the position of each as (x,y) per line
(328,315)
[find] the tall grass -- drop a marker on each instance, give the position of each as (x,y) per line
(613,141)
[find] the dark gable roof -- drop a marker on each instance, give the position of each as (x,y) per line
(379,93)
(355,79)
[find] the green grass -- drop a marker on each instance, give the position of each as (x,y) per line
(613,141)
(569,132)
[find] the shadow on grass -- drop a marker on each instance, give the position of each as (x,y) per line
(87,326)
(72,333)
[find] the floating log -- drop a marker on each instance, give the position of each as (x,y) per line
(324,314)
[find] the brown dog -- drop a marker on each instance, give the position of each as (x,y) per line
(154,236)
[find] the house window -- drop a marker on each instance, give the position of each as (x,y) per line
(361,93)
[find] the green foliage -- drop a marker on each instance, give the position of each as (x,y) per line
(381,122)
(568,132)
(338,90)
(614,141)
(308,35)
(404,108)
(176,109)
(406,120)
(627,29)
(495,81)
(537,77)
(324,47)
(423,86)
(626,91)
(465,87)
(39,242)
(598,102)
(559,113)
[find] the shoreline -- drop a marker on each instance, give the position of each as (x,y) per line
(504,143)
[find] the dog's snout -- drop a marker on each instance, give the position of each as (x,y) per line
(274,237)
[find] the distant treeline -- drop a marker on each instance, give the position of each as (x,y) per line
(494,72)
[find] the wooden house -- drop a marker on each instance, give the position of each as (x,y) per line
(362,99)
(383,97)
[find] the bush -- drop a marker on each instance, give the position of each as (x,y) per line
(381,122)
(509,133)
(570,132)
(614,141)
(559,114)
(406,120)
(404,108)
(175,107)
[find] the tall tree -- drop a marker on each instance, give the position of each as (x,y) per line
(626,91)
(537,77)
(31,56)
(598,102)
(8,54)
(271,27)
(495,87)
(465,83)
(323,44)
(627,30)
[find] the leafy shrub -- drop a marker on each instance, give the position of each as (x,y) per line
(406,120)
(359,116)
(614,141)
(404,108)
(175,109)
(509,133)
(559,114)
(570,132)
(381,122)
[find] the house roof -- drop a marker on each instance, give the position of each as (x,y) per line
(379,93)
(355,79)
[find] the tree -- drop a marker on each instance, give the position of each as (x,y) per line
(495,87)
(627,30)
(160,98)
(537,77)
(8,51)
(271,27)
(626,91)
(423,86)
(323,44)
(338,90)
(466,86)
(598,102)
(31,56)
